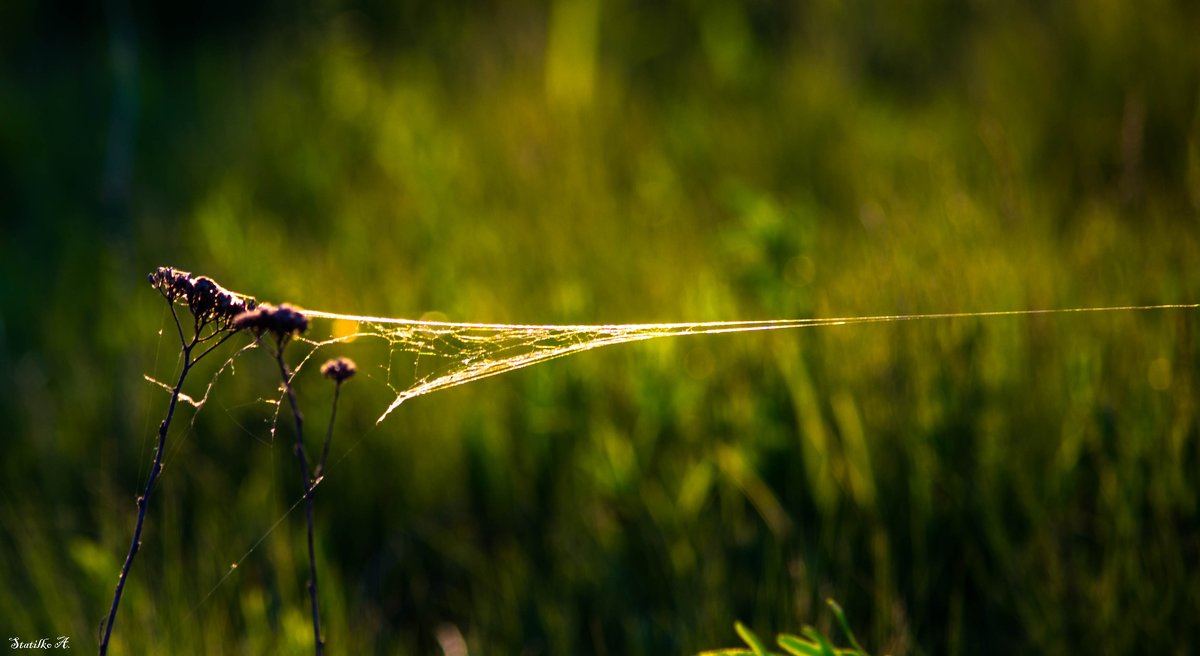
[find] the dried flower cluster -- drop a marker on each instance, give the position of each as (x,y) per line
(206,299)
(339,369)
(282,321)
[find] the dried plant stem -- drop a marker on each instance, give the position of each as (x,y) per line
(211,307)
(144,500)
(320,471)
(307,482)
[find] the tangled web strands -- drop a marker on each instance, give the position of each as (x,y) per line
(466,352)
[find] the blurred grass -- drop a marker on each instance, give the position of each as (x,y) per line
(973,486)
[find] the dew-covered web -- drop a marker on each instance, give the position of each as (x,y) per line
(447,354)
(420,357)
(427,356)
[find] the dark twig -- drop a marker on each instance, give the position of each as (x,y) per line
(178,326)
(144,500)
(319,473)
(284,322)
(214,346)
(210,306)
(307,483)
(339,370)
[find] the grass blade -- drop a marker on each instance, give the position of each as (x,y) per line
(751,639)
(841,618)
(815,636)
(798,646)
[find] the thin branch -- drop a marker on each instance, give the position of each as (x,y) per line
(211,335)
(214,346)
(320,471)
(306,482)
(144,500)
(174,315)
(209,305)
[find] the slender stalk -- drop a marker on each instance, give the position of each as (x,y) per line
(306,481)
(144,500)
(210,306)
(214,346)
(320,471)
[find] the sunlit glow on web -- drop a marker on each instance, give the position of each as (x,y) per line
(427,356)
(466,352)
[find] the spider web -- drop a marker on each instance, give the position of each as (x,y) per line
(428,356)
(447,354)
(437,355)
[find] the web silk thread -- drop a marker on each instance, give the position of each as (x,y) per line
(481,350)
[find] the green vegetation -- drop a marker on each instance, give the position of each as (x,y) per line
(964,486)
(812,644)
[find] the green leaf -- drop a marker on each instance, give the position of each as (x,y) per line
(841,618)
(814,635)
(751,638)
(736,651)
(798,646)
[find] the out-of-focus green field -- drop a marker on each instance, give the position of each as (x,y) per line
(1006,485)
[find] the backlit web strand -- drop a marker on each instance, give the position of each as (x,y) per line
(466,352)
(472,351)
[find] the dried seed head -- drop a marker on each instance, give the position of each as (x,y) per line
(204,287)
(283,321)
(159,276)
(182,285)
(254,320)
(203,297)
(207,301)
(225,304)
(339,369)
(170,283)
(289,320)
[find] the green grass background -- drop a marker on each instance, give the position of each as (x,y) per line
(1013,485)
